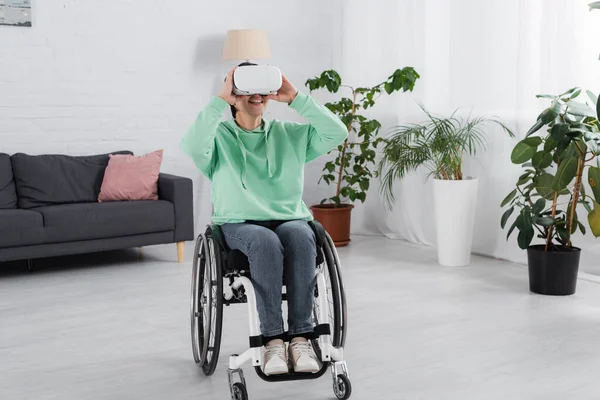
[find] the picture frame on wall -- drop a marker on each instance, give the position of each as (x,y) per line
(15,12)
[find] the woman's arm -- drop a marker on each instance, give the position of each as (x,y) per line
(326,130)
(199,140)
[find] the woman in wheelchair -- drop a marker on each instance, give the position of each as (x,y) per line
(256,167)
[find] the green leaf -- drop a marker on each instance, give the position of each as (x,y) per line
(562,233)
(581,227)
(534,141)
(550,145)
(558,132)
(539,206)
(536,127)
(565,174)
(580,109)
(568,91)
(594,220)
(545,221)
(513,226)
(524,178)
(522,153)
(508,198)
(562,146)
(526,231)
(505,217)
(575,94)
(364,185)
(543,186)
(549,114)
(594,181)
(542,160)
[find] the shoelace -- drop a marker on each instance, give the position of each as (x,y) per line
(299,348)
(275,351)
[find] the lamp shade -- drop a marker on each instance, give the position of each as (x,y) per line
(246,44)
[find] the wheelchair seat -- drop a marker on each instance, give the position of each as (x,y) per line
(236,261)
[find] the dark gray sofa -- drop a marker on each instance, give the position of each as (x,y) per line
(49,207)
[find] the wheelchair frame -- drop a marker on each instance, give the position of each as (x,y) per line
(211,265)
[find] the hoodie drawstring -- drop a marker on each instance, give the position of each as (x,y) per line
(243,149)
(268,159)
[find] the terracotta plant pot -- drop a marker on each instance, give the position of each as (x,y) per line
(335,220)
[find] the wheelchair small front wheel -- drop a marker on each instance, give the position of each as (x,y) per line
(342,387)
(239,392)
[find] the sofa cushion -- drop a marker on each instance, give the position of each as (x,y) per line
(49,179)
(84,221)
(20,228)
(8,194)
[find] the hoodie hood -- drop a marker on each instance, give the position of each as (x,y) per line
(262,129)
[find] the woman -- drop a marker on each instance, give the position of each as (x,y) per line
(256,168)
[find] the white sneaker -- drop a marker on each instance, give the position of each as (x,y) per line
(276,362)
(303,357)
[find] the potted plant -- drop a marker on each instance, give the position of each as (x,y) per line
(350,171)
(439,144)
(549,193)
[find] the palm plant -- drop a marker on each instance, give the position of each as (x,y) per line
(439,144)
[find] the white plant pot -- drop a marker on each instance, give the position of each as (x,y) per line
(454,207)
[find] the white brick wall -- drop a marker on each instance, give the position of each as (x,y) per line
(101,75)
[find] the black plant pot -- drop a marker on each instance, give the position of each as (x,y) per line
(553,272)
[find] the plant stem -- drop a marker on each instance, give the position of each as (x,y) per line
(343,155)
(579,148)
(576,192)
(549,237)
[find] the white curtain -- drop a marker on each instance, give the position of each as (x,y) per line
(486,57)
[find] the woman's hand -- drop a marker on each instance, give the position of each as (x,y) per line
(286,93)
(226,92)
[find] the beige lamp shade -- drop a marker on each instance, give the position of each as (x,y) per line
(246,44)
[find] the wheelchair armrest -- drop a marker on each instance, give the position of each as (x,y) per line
(217,234)
(320,233)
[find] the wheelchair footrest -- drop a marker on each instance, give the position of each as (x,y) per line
(292,376)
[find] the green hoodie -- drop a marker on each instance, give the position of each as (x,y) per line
(259,175)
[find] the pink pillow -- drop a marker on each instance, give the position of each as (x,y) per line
(129,177)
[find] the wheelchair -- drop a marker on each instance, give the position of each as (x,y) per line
(221,276)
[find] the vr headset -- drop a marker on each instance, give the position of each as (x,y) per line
(256,79)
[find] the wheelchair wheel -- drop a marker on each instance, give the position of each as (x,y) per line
(335,295)
(206,303)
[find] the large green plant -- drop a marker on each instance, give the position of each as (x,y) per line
(555,160)
(439,144)
(351,171)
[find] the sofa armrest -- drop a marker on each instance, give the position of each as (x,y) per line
(179,191)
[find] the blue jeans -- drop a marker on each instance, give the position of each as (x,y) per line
(272,248)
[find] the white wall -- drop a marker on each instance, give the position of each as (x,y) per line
(101,75)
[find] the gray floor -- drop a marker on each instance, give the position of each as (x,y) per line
(114,327)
